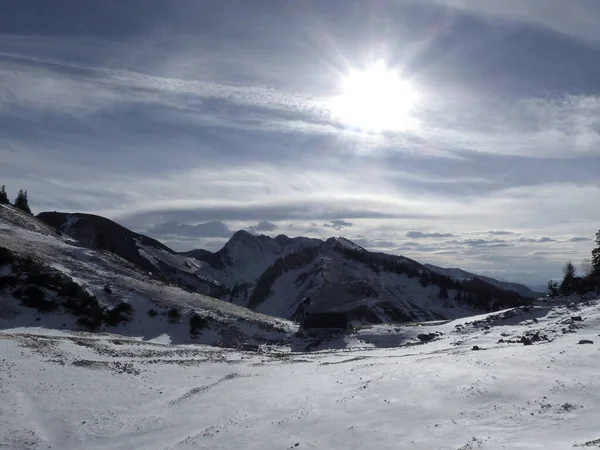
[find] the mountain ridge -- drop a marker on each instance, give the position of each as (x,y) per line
(287,277)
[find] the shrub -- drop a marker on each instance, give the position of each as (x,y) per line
(118,314)
(8,281)
(197,323)
(90,323)
(174,315)
(152,312)
(34,297)
(81,305)
(107,288)
(6,256)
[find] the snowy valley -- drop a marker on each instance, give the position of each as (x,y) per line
(100,349)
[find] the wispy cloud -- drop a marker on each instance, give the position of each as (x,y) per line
(263,225)
(579,239)
(191,131)
(422,234)
(338,224)
(207,229)
(578,19)
(543,239)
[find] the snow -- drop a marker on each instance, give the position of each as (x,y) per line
(71,220)
(73,390)
(93,270)
(467,383)
(329,282)
(251,255)
(349,244)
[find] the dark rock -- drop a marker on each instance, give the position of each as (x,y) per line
(585,341)
(426,337)
(526,341)
(576,318)
(249,347)
(476,347)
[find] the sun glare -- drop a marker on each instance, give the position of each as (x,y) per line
(375,99)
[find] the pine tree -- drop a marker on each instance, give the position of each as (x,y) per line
(569,283)
(596,259)
(3,196)
(22,202)
(586,267)
(443,294)
(553,289)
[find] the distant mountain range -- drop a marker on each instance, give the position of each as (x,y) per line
(460,274)
(287,277)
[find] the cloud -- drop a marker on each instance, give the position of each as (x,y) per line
(498,243)
(579,239)
(377,244)
(543,239)
(422,234)
(580,20)
(208,229)
(338,224)
(263,226)
(168,125)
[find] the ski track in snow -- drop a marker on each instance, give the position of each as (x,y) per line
(71,390)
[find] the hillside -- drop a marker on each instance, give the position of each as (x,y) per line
(150,255)
(460,274)
(50,280)
(339,276)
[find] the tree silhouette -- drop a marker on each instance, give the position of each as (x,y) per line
(22,202)
(569,282)
(596,259)
(3,196)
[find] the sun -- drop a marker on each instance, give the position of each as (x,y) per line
(375,99)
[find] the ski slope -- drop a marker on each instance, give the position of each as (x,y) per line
(380,387)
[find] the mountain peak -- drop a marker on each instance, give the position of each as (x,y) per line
(344,243)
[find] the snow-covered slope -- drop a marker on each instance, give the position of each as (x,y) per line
(57,274)
(152,256)
(460,274)
(339,276)
(246,256)
(461,385)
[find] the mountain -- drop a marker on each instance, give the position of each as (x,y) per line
(290,277)
(459,274)
(50,280)
(246,256)
(148,254)
(340,276)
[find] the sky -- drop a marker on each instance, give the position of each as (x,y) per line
(190,119)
